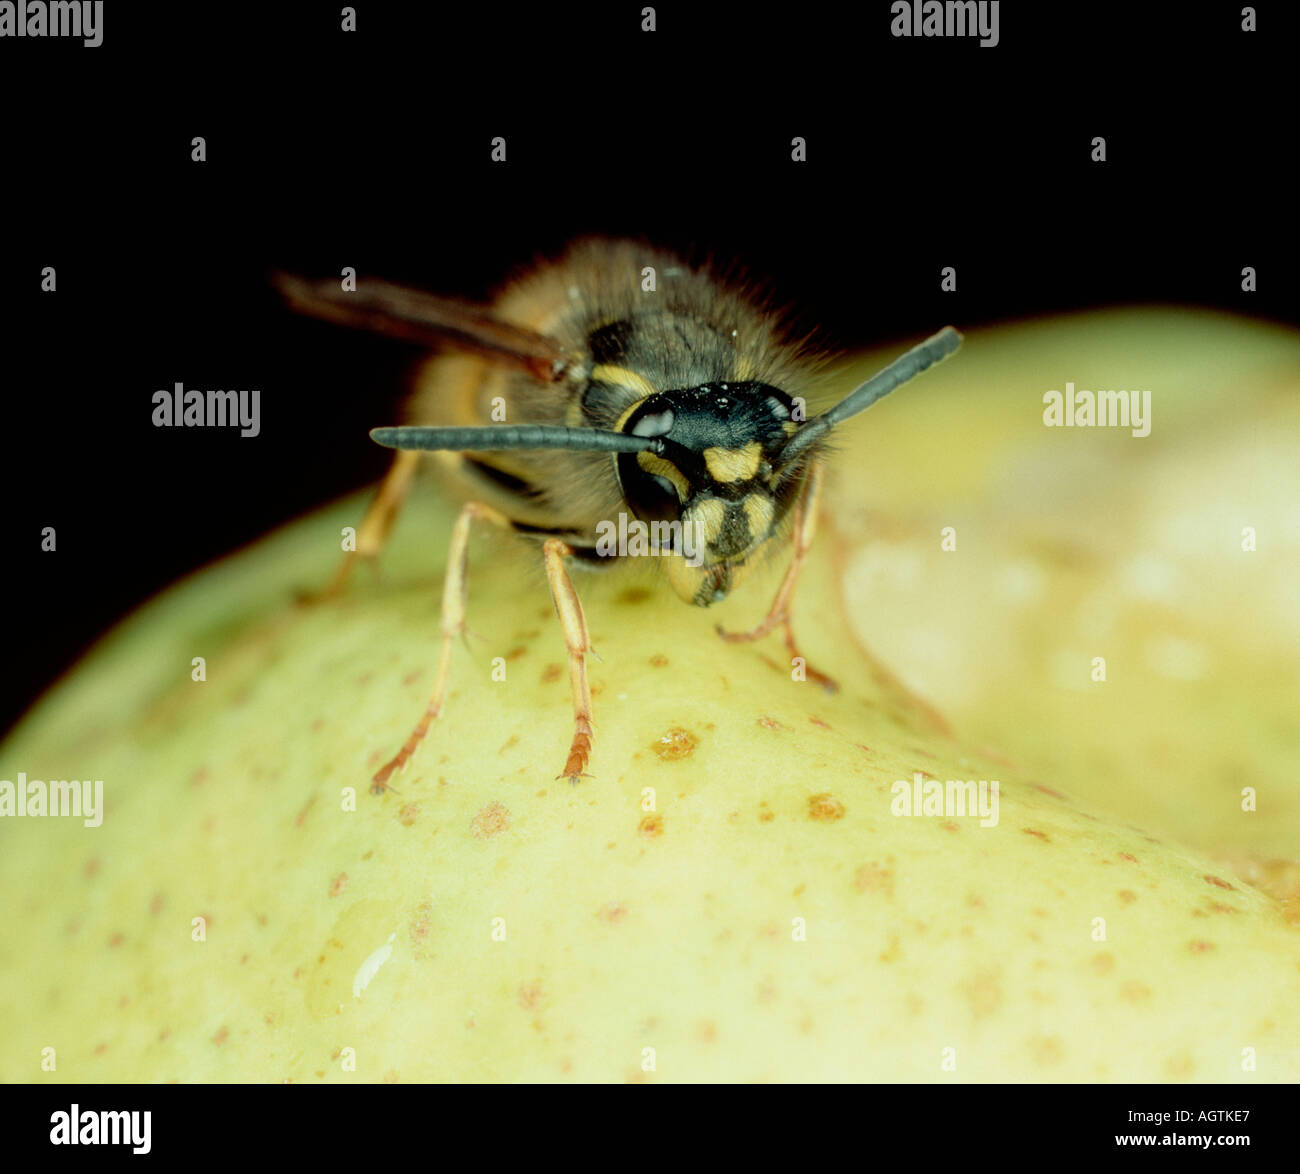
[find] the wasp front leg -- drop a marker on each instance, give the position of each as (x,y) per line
(569,608)
(805,527)
(454,589)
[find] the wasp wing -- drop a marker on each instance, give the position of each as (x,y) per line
(414,316)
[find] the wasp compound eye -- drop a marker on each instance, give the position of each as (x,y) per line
(651,486)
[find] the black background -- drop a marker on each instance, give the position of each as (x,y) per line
(371,149)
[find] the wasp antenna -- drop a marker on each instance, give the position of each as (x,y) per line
(934,349)
(534,437)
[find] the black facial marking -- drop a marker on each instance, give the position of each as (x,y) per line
(725,415)
(718,415)
(688,422)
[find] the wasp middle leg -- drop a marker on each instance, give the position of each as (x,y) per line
(569,608)
(454,587)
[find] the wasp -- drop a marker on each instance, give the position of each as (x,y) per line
(615,379)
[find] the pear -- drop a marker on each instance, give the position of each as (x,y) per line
(761,881)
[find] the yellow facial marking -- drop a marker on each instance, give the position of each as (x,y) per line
(623,416)
(657,466)
(759,510)
(706,584)
(707,516)
(733,464)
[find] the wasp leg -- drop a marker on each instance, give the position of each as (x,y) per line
(569,608)
(805,527)
(379,517)
(453,623)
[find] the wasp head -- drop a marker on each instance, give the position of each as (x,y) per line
(717,472)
